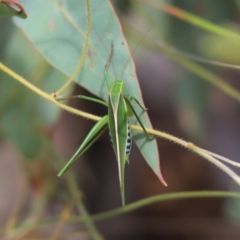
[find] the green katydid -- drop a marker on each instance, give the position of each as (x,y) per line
(119,110)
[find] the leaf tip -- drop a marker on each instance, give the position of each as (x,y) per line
(13,8)
(162,179)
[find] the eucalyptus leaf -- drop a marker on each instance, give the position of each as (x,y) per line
(58,28)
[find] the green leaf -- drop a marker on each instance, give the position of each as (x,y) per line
(23,117)
(58,29)
(12,8)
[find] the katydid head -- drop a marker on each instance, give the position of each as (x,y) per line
(118,86)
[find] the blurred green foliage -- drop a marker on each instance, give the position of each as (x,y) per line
(23,119)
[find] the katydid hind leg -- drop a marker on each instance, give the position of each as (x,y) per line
(139,104)
(92,136)
(149,137)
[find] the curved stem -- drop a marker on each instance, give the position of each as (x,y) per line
(49,97)
(85,48)
(155,199)
(136,205)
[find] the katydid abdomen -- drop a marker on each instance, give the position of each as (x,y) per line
(128,143)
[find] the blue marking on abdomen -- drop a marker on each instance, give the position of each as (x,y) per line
(128,143)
